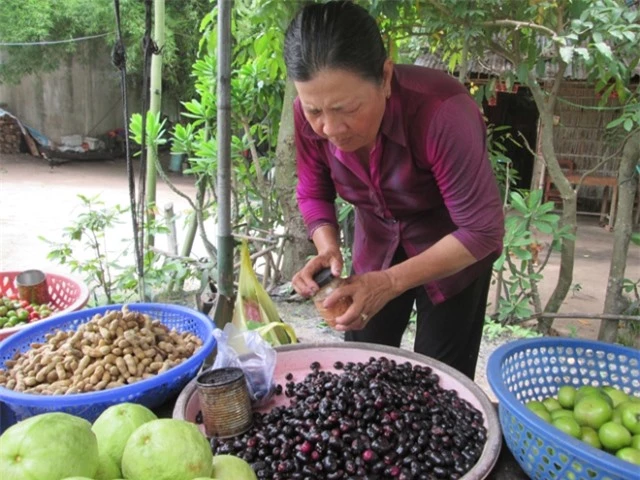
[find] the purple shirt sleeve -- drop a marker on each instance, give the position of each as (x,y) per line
(315,192)
(457,151)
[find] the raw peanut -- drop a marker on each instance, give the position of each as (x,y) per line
(122,343)
(52,376)
(137,351)
(87,372)
(122,367)
(43,372)
(95,379)
(105,350)
(113,326)
(106,376)
(110,358)
(117,351)
(119,331)
(30,381)
(166,346)
(133,379)
(127,351)
(132,365)
(155,366)
(116,383)
(165,366)
(84,362)
(101,385)
(11,363)
(145,361)
(140,370)
(62,374)
(147,375)
(113,370)
(73,389)
(11,384)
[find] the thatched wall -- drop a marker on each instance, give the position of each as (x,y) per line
(581,135)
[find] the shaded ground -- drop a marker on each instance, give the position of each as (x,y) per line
(37,200)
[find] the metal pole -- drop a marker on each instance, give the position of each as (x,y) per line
(224,304)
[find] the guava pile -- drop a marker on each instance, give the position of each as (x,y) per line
(127,442)
(603,417)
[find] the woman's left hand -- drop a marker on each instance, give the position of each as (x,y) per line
(369,293)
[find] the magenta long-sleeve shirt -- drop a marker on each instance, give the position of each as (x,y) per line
(428,176)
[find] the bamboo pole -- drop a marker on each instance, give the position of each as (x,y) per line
(224,304)
(155,106)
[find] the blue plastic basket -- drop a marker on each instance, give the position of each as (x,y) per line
(150,392)
(534,369)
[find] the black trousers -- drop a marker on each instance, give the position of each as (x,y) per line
(450,332)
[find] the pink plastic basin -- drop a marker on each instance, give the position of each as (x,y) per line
(296,359)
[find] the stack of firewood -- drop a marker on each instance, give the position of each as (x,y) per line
(10,135)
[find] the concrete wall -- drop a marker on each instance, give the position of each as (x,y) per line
(81,97)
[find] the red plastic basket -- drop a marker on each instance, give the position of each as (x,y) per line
(66,294)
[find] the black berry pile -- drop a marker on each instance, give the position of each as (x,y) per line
(373,420)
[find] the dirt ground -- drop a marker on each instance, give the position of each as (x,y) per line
(37,200)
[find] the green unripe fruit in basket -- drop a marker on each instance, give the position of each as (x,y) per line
(613,436)
(567,425)
(567,396)
(167,449)
(630,413)
(50,446)
(629,454)
(561,413)
(551,404)
(635,442)
(593,411)
(539,409)
(114,427)
(584,391)
(589,436)
(616,396)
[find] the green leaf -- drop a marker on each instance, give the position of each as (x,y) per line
(566,53)
(517,202)
(604,49)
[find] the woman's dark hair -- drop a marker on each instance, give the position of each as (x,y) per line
(334,35)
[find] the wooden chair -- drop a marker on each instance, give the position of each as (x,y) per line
(550,192)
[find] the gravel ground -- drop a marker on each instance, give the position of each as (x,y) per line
(310,328)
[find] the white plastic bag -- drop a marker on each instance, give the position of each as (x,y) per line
(250,352)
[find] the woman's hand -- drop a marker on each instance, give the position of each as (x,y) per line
(369,293)
(303,282)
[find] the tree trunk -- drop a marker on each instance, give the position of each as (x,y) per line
(627,185)
(155,92)
(545,101)
(299,247)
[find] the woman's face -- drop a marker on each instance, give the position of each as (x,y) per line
(344,108)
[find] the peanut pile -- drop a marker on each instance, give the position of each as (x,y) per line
(119,348)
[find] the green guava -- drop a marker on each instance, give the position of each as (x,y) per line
(230,467)
(49,446)
(107,468)
(115,425)
(167,449)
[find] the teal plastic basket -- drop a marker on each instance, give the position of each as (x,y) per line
(534,369)
(152,392)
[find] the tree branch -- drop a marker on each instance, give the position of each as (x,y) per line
(518,25)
